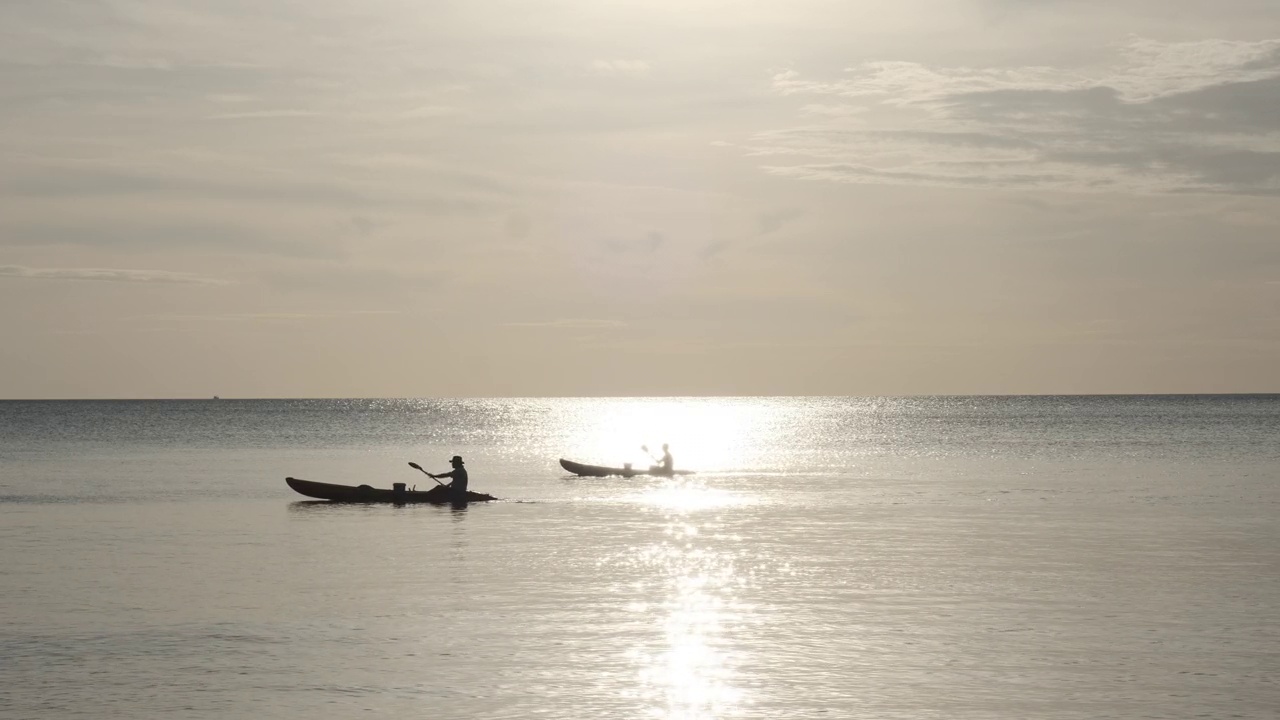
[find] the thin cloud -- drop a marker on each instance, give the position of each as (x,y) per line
(229,98)
(71,180)
(265,316)
(1165,118)
(265,115)
(161,277)
(432,111)
(569,324)
(632,68)
(1148,69)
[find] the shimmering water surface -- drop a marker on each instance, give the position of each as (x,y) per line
(1012,557)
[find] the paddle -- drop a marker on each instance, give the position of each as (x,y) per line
(416,466)
(658,469)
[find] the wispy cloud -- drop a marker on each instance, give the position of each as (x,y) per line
(432,111)
(265,115)
(265,316)
(79,180)
(1166,117)
(569,324)
(1147,69)
(110,275)
(619,67)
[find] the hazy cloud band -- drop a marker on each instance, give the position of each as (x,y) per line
(110,275)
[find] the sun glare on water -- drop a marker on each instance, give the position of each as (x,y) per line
(683,496)
(704,434)
(686,669)
(688,590)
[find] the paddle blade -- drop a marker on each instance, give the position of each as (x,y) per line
(415,466)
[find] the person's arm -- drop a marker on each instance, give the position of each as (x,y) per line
(442,475)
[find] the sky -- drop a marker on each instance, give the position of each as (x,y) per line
(408,198)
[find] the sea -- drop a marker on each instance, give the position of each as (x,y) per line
(897,558)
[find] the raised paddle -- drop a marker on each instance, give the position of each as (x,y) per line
(416,466)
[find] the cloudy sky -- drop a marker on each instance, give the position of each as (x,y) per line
(284,198)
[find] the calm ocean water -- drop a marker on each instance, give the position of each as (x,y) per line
(957,557)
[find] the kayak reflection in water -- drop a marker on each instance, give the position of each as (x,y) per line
(458,486)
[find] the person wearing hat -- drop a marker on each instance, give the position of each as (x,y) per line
(458,485)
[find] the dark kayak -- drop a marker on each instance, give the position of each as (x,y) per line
(602,471)
(438,495)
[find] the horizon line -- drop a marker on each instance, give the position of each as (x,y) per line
(219,398)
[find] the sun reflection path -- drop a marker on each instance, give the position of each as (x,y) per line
(684,496)
(686,668)
(705,434)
